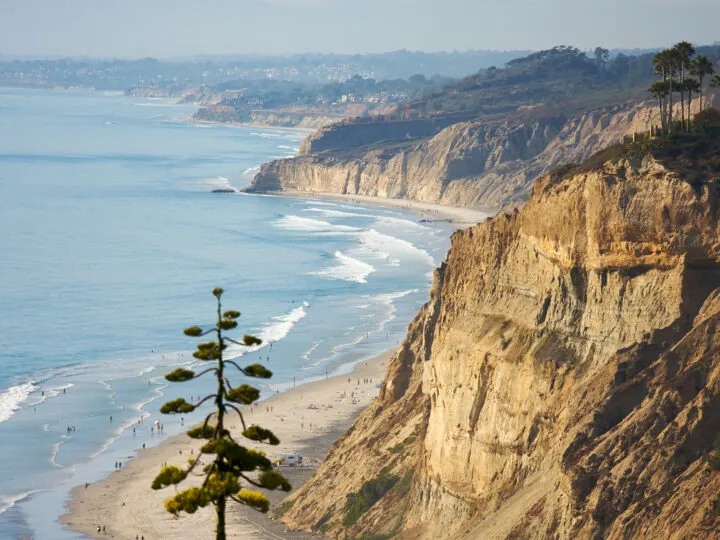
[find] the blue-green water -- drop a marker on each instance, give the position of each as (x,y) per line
(110,242)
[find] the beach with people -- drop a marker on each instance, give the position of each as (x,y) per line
(308,419)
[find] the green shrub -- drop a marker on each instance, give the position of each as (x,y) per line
(714,456)
(283,507)
(370,492)
(716,507)
(402,488)
(322,524)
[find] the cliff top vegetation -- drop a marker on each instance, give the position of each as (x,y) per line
(559,79)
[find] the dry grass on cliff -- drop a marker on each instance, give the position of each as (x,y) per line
(696,156)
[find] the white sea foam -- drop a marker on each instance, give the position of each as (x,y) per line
(399,222)
(338,213)
(251,171)
(220,182)
(282,324)
(50,393)
(306,354)
(388,301)
(374,243)
(303,224)
(8,501)
(54,453)
(347,269)
(278,328)
(154,104)
(12,399)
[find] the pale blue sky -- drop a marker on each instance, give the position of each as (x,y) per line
(176,28)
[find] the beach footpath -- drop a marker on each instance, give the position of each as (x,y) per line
(308,419)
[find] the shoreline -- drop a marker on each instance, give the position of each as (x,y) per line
(191,120)
(126,505)
(458,217)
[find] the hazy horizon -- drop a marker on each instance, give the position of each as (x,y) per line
(181,29)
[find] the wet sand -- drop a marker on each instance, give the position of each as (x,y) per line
(308,419)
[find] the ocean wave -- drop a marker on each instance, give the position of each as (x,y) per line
(50,393)
(220,182)
(303,224)
(251,171)
(379,219)
(290,136)
(348,269)
(306,354)
(385,246)
(54,453)
(388,301)
(11,400)
(326,212)
(8,501)
(278,328)
(282,324)
(155,104)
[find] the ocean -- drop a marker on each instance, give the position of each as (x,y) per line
(111,241)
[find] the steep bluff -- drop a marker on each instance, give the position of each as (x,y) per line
(563,380)
(487,163)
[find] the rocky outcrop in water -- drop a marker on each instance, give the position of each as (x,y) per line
(563,381)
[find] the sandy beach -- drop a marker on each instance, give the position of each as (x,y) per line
(459,218)
(307,419)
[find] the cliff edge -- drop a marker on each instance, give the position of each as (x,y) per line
(563,380)
(488,163)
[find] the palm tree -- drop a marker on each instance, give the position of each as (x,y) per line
(701,67)
(683,53)
(666,66)
(691,85)
(660,90)
(715,81)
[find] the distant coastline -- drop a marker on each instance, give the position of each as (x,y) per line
(190,120)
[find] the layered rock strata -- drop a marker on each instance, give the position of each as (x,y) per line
(563,381)
(488,163)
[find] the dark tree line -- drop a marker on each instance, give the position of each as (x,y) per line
(683,75)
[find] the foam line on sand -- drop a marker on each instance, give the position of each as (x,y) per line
(307,419)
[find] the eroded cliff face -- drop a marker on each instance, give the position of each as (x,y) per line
(562,381)
(487,164)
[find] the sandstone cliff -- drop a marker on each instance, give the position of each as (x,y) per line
(563,380)
(487,164)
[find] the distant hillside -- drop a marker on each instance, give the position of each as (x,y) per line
(557,76)
(480,142)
